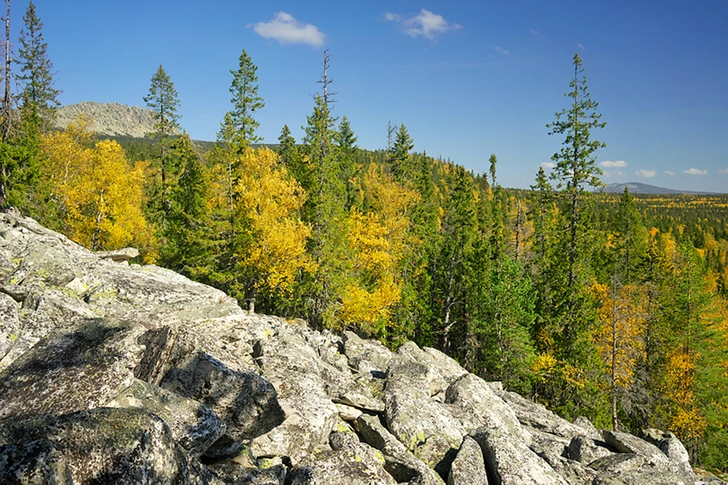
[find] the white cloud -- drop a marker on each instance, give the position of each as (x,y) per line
(502,51)
(579,46)
(723,171)
(287,30)
(425,24)
(548,165)
(536,33)
(667,172)
(646,173)
(609,173)
(695,171)
(613,164)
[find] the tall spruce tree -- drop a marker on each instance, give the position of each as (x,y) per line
(571,312)
(245,101)
(162,100)
(38,97)
(399,155)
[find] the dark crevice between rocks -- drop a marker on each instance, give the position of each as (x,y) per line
(445,465)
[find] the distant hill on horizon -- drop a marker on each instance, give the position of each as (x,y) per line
(112,119)
(640,188)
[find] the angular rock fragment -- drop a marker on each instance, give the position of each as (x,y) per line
(103,445)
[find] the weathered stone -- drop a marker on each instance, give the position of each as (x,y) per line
(72,370)
(293,367)
(348,413)
(118,255)
(366,356)
(627,443)
(10,324)
(425,426)
(234,474)
(673,449)
(481,407)
(509,461)
(347,462)
(585,450)
(193,425)
(468,468)
(537,416)
(103,445)
(246,403)
(398,461)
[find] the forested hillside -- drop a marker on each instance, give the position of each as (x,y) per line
(608,306)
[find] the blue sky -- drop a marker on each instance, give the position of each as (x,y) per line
(467,78)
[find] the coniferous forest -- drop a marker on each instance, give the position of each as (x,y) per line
(614,307)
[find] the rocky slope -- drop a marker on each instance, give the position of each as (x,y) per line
(118,373)
(111,119)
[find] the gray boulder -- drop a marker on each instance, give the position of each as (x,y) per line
(398,460)
(72,370)
(194,426)
(348,461)
(103,445)
(468,468)
(425,426)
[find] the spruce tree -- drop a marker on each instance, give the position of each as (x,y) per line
(346,148)
(187,250)
(400,158)
(38,97)
(245,101)
(571,313)
(162,100)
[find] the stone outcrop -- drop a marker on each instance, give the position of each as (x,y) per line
(114,372)
(112,119)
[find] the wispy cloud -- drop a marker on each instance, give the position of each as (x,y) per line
(579,46)
(668,172)
(287,30)
(548,165)
(424,24)
(613,164)
(502,51)
(537,34)
(695,171)
(723,171)
(609,173)
(646,173)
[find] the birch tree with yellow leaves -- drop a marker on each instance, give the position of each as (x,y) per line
(274,248)
(98,191)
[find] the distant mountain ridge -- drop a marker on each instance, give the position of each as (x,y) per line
(112,119)
(639,188)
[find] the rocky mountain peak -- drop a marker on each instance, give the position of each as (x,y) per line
(112,372)
(111,119)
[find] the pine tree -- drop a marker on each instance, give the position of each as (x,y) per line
(38,97)
(459,228)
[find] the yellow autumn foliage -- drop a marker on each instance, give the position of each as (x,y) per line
(683,413)
(378,241)
(99,192)
(270,201)
(621,330)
